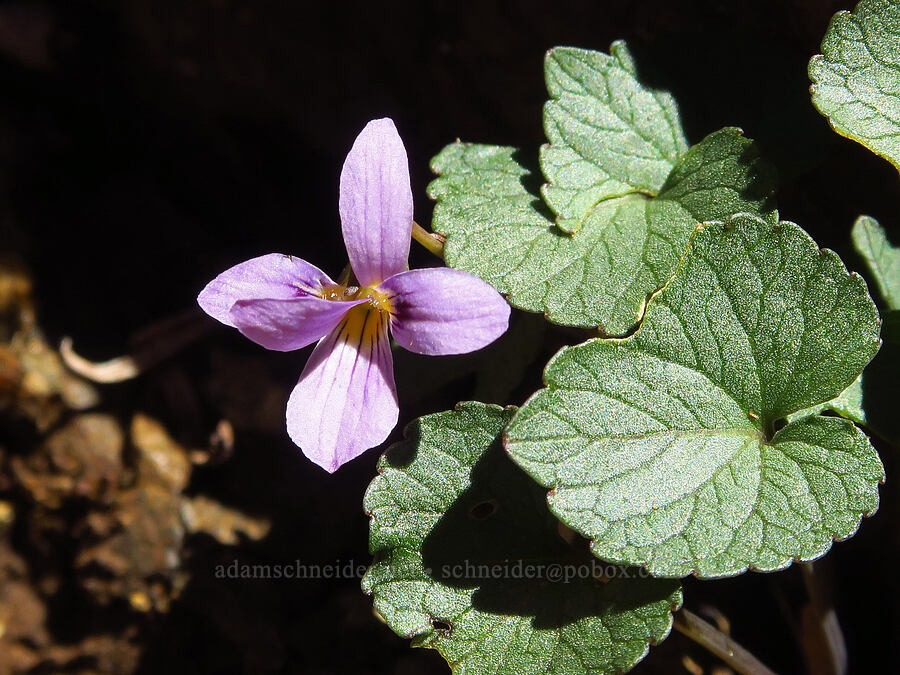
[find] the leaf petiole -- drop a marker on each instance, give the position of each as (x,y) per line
(433,242)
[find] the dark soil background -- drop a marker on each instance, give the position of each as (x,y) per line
(145,146)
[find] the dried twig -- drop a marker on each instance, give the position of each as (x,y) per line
(718,643)
(151,345)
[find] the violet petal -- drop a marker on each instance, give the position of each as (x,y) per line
(345,401)
(285,325)
(272,276)
(376,203)
(444,311)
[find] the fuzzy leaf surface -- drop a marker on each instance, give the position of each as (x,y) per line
(847,404)
(856,78)
(447,504)
(497,227)
(883,260)
(661,448)
(609,135)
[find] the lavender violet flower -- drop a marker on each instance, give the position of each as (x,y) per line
(345,401)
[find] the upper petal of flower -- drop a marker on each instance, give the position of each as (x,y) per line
(376,203)
(345,401)
(444,311)
(272,276)
(285,325)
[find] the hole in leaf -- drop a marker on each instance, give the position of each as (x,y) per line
(483,509)
(442,626)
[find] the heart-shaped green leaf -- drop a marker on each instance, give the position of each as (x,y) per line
(662,448)
(856,78)
(497,228)
(469,561)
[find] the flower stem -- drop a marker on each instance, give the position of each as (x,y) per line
(433,242)
(718,643)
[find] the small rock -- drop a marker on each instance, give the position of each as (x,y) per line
(45,388)
(140,601)
(202,514)
(81,459)
(160,459)
(7,516)
(22,616)
(144,546)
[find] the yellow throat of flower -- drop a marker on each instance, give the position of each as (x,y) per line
(363,323)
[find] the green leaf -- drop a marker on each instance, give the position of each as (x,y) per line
(457,529)
(847,404)
(661,447)
(856,79)
(609,136)
(882,259)
(498,229)
(883,263)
